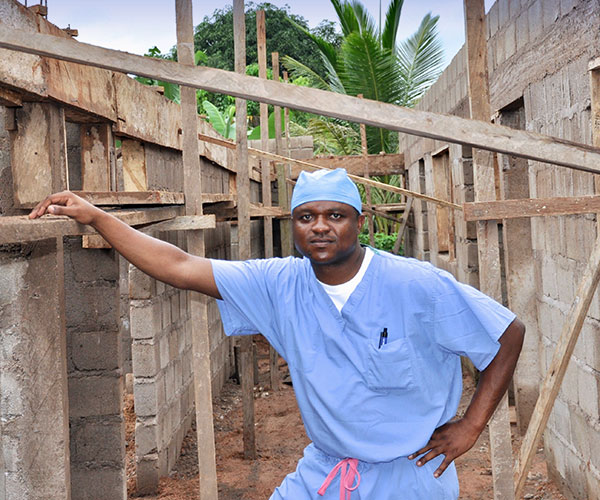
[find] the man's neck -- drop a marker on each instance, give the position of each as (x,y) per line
(340,272)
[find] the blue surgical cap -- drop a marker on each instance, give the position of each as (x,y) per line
(326,185)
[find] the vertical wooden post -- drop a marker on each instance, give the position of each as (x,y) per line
(243,189)
(487,232)
(365,155)
(265,165)
(195,242)
(432,211)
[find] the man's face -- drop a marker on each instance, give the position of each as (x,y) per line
(326,231)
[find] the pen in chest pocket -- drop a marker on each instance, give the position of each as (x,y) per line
(383,337)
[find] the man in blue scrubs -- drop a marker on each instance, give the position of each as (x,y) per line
(373,342)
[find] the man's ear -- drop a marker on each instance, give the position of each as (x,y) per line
(361,221)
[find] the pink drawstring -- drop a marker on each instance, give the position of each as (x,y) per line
(346,478)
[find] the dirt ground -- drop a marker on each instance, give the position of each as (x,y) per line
(280,439)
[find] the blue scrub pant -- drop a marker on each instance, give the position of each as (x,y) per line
(399,479)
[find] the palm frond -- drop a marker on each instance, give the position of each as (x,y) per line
(327,49)
(392,22)
(296,68)
(364,20)
(420,58)
(346,16)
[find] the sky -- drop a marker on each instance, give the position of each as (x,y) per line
(136,25)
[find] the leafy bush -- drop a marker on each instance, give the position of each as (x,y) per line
(382,241)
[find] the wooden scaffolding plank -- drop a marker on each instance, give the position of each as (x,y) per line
(487,232)
(243,189)
(449,128)
(116,198)
(379,164)
(14,229)
(265,166)
(360,180)
(195,244)
(558,367)
(366,175)
(531,207)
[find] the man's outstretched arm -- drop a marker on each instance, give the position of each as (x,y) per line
(457,437)
(159,259)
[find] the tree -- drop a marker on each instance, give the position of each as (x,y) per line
(214,36)
(369,61)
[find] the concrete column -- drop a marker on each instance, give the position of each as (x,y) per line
(34,432)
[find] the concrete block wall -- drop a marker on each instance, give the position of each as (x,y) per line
(538,52)
(97,431)
(162,368)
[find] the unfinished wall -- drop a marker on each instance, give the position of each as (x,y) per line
(538,54)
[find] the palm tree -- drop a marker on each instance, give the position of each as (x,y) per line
(370,62)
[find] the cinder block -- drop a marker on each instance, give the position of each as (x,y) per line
(92,308)
(534,15)
(510,41)
(94,395)
(514,8)
(145,318)
(566,6)
(550,13)
(146,437)
(163,345)
(581,434)
(96,350)
(569,390)
(98,443)
(141,286)
(492,19)
(147,475)
(174,344)
(146,358)
(166,311)
(98,484)
(574,474)
(587,385)
(146,396)
(89,265)
(503,14)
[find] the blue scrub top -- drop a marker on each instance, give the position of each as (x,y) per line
(356,399)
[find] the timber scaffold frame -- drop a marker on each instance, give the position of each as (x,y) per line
(179,214)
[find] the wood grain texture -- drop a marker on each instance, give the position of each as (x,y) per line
(487,232)
(134,165)
(425,124)
(112,198)
(243,212)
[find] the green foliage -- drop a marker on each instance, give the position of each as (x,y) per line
(214,36)
(370,62)
(383,241)
(224,123)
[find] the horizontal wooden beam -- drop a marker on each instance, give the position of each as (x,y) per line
(380,164)
(184,223)
(310,166)
(21,229)
(258,210)
(531,207)
(442,127)
(117,198)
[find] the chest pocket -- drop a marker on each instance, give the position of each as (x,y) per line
(389,368)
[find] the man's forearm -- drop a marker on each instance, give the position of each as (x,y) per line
(494,380)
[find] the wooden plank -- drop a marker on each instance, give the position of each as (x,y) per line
(244,239)
(15,229)
(38,153)
(96,145)
(144,114)
(487,232)
(379,164)
(360,180)
(432,212)
(192,181)
(184,223)
(366,175)
(10,98)
(402,229)
(558,367)
(448,128)
(265,165)
(259,210)
(531,207)
(112,198)
(134,165)
(283,202)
